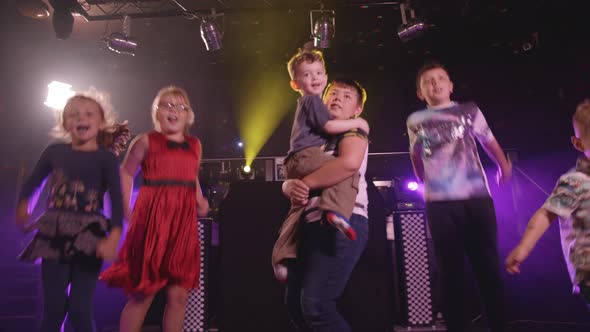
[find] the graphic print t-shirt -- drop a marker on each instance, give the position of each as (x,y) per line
(446,139)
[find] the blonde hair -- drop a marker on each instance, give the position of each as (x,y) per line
(112,136)
(175,91)
(304,55)
(581,118)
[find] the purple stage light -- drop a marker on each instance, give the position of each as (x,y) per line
(412,185)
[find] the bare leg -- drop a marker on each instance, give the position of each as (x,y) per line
(175,308)
(134,313)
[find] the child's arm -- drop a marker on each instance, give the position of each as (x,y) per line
(40,172)
(335,127)
(537,226)
(130,166)
(296,190)
(417,164)
(415,152)
(318,118)
(351,154)
(489,143)
(202,203)
(495,152)
(107,248)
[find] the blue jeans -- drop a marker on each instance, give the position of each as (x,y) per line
(318,277)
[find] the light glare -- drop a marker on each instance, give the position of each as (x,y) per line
(58,94)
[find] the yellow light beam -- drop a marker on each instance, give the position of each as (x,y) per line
(263,107)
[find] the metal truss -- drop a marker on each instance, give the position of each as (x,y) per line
(104,10)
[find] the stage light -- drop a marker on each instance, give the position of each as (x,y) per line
(123,43)
(240,144)
(411,29)
(58,94)
(412,185)
(36,9)
(246,172)
(211,35)
(63,20)
(407,194)
(210,31)
(323,29)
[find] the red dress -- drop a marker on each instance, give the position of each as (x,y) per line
(162,243)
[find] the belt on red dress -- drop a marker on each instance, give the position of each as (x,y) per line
(169,182)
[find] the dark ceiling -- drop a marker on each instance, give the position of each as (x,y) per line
(365,29)
(520,60)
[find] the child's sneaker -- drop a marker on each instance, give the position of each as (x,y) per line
(340,223)
(281,272)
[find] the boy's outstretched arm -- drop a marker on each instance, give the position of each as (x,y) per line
(493,149)
(537,226)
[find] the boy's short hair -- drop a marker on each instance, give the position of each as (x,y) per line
(581,118)
(426,67)
(355,85)
(304,56)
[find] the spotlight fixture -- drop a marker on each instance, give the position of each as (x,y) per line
(413,28)
(122,43)
(412,185)
(246,172)
(407,195)
(210,31)
(530,43)
(323,27)
(119,43)
(211,34)
(63,20)
(36,9)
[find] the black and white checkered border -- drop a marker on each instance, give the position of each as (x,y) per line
(416,268)
(195,319)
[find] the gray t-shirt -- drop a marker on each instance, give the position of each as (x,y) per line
(308,126)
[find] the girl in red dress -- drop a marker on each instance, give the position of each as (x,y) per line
(161,249)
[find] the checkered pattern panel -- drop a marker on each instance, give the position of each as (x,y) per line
(415,262)
(195,319)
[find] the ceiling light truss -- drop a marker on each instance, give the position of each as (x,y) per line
(104,10)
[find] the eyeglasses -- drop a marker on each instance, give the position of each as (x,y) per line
(171,106)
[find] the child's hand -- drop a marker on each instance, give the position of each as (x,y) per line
(363,125)
(504,173)
(107,248)
(22,215)
(296,190)
(515,258)
(297,202)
